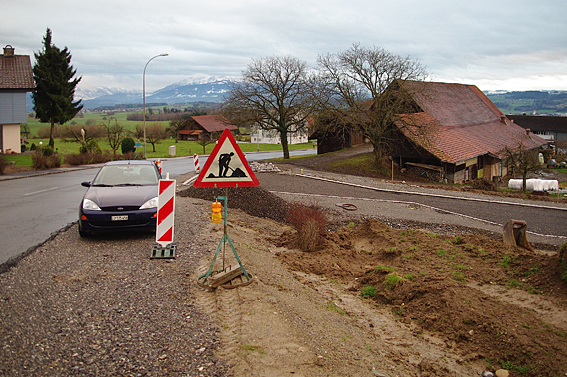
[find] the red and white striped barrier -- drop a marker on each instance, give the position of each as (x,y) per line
(166,212)
(196,161)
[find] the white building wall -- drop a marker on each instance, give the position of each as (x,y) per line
(273,137)
(11,138)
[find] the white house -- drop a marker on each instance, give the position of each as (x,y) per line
(273,136)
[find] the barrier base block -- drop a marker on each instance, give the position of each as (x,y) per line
(167,252)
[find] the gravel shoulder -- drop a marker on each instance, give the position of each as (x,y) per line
(100,307)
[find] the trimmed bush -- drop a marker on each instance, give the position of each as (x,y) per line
(91,147)
(128,145)
(41,161)
(47,150)
(87,158)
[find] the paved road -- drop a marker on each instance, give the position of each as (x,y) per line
(34,205)
(376,198)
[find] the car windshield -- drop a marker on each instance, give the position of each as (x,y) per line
(126,175)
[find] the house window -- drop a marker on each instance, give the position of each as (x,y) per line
(480,162)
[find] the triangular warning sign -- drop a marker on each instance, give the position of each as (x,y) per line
(226,166)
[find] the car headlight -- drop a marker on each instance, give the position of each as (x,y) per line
(152,203)
(89,204)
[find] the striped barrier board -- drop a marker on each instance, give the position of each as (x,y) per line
(196,161)
(166,212)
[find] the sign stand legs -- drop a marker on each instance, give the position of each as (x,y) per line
(227,273)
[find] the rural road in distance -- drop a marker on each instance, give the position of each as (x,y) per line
(399,201)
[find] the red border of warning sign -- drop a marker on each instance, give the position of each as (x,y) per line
(235,182)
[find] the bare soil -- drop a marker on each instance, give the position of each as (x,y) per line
(377,301)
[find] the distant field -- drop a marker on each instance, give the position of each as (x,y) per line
(98,117)
(182,148)
(542,102)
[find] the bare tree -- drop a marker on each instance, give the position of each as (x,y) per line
(114,134)
(205,140)
(276,94)
(177,124)
(522,160)
(366,89)
(155,133)
(84,135)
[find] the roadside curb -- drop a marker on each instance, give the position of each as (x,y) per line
(37,173)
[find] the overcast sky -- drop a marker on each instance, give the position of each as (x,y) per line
(496,44)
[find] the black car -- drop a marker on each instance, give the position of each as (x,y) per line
(122,196)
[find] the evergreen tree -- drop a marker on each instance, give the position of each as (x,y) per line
(55,86)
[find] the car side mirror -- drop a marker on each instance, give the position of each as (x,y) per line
(86,184)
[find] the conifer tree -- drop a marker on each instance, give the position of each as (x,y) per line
(55,86)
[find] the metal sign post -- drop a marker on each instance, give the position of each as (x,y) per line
(224,275)
(225,167)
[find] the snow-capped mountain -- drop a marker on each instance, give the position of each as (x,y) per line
(92,93)
(190,90)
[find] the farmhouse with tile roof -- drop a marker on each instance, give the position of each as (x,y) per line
(465,134)
(16,78)
(205,125)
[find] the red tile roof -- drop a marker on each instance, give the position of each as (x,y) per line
(212,123)
(16,73)
(463,123)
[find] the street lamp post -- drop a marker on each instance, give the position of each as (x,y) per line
(144,94)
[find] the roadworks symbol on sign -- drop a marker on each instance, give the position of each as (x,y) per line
(226,166)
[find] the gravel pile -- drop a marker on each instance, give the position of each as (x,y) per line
(263,167)
(255,201)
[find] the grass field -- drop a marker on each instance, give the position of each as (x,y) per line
(182,148)
(93,117)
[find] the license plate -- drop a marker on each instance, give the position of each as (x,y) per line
(119,218)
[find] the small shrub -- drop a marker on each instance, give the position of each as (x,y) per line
(128,145)
(39,161)
(53,161)
(310,222)
(47,151)
(87,158)
(90,147)
(309,235)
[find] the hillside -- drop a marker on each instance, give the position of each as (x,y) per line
(542,102)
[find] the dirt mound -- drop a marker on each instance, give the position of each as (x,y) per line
(485,300)
(255,201)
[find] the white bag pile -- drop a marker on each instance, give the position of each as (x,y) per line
(534,184)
